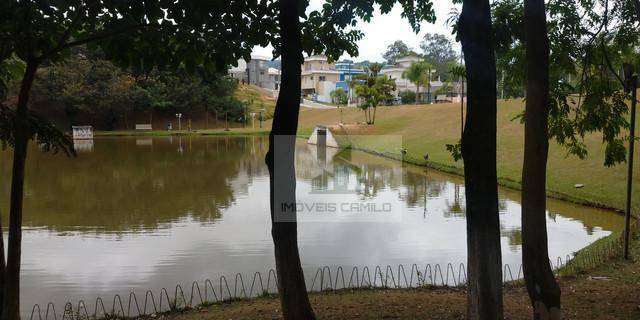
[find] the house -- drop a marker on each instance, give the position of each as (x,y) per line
(347,72)
(256,72)
(239,72)
(319,78)
(395,72)
(437,92)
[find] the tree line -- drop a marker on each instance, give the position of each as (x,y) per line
(92,90)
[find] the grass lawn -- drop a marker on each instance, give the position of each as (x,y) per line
(610,291)
(427,129)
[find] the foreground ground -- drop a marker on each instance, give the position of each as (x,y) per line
(610,291)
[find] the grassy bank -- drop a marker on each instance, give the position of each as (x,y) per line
(609,291)
(427,129)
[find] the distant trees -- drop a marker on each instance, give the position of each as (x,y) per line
(100,89)
(396,50)
(437,49)
(373,90)
(418,73)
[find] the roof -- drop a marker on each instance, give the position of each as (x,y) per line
(409,58)
(394,69)
(242,67)
(259,57)
(317,57)
(274,71)
(321,71)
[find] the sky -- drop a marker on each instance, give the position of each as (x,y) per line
(383,30)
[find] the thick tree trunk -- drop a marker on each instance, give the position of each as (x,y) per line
(11,294)
(417,93)
(479,154)
(461,107)
(541,285)
(280,161)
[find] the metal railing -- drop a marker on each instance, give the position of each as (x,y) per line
(324,279)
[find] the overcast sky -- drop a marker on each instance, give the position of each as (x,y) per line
(385,29)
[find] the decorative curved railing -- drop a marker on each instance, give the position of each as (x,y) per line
(323,279)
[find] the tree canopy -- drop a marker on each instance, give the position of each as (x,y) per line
(396,50)
(438,50)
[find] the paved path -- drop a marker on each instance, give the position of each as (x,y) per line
(314,105)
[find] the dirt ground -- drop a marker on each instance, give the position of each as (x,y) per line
(610,292)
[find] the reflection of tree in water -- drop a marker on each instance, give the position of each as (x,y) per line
(456,206)
(420,187)
(130,184)
(513,235)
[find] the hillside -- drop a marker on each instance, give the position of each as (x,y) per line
(257,98)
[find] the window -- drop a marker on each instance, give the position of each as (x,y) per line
(311,77)
(322,78)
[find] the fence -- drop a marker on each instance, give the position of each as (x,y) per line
(323,279)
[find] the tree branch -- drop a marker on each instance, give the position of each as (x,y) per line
(67,33)
(95,37)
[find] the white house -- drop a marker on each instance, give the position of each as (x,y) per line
(319,78)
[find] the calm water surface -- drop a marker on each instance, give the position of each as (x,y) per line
(145,213)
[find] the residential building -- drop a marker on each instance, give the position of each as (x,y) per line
(319,78)
(437,92)
(347,71)
(257,72)
(239,72)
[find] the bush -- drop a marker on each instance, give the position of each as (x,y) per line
(407,96)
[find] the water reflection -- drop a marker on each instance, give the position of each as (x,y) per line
(143,213)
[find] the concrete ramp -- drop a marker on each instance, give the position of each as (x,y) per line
(322,136)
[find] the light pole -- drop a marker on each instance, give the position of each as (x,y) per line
(261,110)
(631,85)
(179,116)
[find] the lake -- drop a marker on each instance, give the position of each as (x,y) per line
(142,213)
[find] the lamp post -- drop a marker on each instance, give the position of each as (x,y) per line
(261,110)
(631,84)
(179,116)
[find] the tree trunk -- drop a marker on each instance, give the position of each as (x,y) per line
(429,87)
(461,107)
(373,120)
(543,290)
(484,260)
(280,161)
(206,118)
(417,93)
(11,294)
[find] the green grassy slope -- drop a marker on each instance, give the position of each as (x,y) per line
(427,129)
